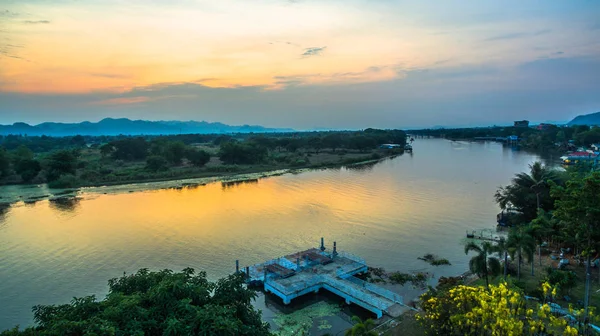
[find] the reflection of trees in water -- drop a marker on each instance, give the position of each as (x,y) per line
(232,184)
(547,157)
(363,168)
(4,209)
(68,204)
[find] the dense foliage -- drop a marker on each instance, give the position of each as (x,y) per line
(529,192)
(155,303)
(563,208)
(549,136)
(75,161)
(484,264)
(497,310)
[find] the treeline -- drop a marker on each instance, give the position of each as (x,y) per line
(74,161)
(553,209)
(549,136)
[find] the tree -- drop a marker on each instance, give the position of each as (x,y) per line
(62,162)
(529,192)
(106,150)
(130,149)
(156,303)
(361,328)
(174,152)
(21,153)
(483,264)
(520,242)
(498,310)
(536,181)
(156,163)
(564,280)
(78,141)
(541,228)
(316,143)
(197,157)
(28,169)
(502,248)
(4,163)
(242,153)
(578,206)
(332,140)
(221,139)
(361,142)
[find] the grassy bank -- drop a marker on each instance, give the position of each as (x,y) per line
(128,174)
(136,172)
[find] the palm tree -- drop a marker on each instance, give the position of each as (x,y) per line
(502,248)
(361,328)
(535,182)
(483,264)
(503,197)
(528,192)
(520,242)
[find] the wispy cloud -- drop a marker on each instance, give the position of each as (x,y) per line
(8,14)
(517,35)
(5,51)
(314,51)
(508,36)
(36,22)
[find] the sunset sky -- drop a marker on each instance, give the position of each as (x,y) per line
(300,63)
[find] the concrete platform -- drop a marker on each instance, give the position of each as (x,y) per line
(309,271)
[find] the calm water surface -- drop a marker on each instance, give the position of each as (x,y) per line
(389,213)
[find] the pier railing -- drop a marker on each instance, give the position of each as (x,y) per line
(352,257)
(376,289)
(353,292)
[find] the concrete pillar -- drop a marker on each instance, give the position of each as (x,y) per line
(286,301)
(322,244)
(334,249)
(237,266)
(348,301)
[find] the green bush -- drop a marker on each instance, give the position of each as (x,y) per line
(65,181)
(156,163)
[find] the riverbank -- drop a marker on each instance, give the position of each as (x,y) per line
(33,193)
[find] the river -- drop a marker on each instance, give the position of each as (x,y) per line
(389,213)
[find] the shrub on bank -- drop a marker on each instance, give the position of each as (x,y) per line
(65,181)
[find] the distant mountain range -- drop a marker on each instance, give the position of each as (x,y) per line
(110,126)
(586,119)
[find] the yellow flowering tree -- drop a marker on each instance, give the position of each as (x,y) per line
(501,310)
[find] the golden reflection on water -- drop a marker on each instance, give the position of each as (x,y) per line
(389,214)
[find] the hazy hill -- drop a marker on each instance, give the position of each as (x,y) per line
(125,126)
(586,119)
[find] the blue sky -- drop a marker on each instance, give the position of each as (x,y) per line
(302,64)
